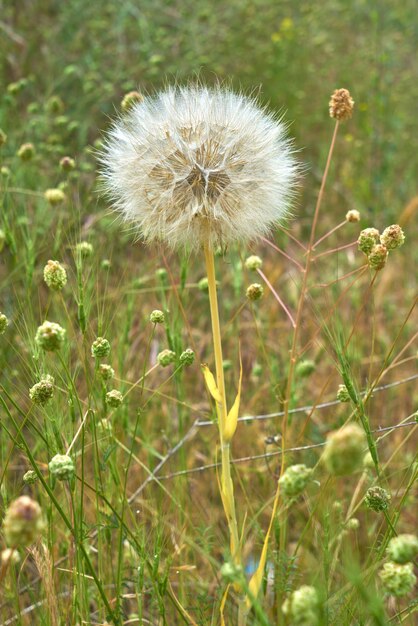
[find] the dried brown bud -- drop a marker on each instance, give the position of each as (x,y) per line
(341,105)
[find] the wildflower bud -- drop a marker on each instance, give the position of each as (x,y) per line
(54,196)
(50,336)
(377,257)
(302,606)
(187,357)
(342,394)
(403,548)
(203,284)
(9,555)
(67,164)
(26,151)
(392,237)
(114,398)
(30,477)
(85,249)
(226,365)
(106,371)
(55,275)
(100,348)
(23,522)
(368,238)
(353,524)
(54,105)
(166,357)
(4,322)
(105,264)
(161,274)
(3,137)
(398,580)
(377,499)
(305,368)
(231,572)
(368,462)
(341,105)
(5,171)
(130,99)
(253,263)
(157,317)
(295,479)
(344,450)
(257,370)
(254,292)
(352,216)
(42,391)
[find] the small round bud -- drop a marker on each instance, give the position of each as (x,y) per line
(105,264)
(26,151)
(5,171)
(187,357)
(352,216)
(203,284)
(100,348)
(368,462)
(55,275)
(54,196)
(130,100)
(4,322)
(302,606)
(377,499)
(166,357)
(294,480)
(341,105)
(9,555)
(368,238)
(114,398)
(253,263)
(23,522)
(254,292)
(257,370)
(378,257)
(30,477)
(398,580)
(231,572)
(54,105)
(84,249)
(353,524)
(342,394)
(67,164)
(106,371)
(161,273)
(344,450)
(392,237)
(61,467)
(42,391)
(50,336)
(157,317)
(403,548)
(3,137)
(305,368)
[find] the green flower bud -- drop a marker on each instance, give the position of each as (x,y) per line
(26,151)
(130,100)
(403,548)
(5,171)
(368,238)
(4,322)
(253,263)
(9,555)
(294,480)
(114,398)
(203,284)
(166,357)
(67,164)
(61,467)
(392,237)
(50,336)
(344,450)
(43,391)
(231,572)
(106,371)
(377,499)
(352,216)
(353,524)
(30,477)
(305,368)
(55,275)
(398,580)
(54,196)
(105,264)
(100,348)
(157,317)
(23,522)
(254,292)
(378,257)
(302,606)
(54,105)
(187,357)
(84,249)
(342,394)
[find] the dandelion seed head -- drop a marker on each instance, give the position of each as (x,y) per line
(196,166)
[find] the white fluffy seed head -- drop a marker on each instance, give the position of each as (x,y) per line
(194,166)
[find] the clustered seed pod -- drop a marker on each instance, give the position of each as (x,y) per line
(55,275)
(305,368)
(114,398)
(302,606)
(4,322)
(398,580)
(30,477)
(84,248)
(353,524)
(342,394)
(403,548)
(50,336)
(377,246)
(26,151)
(254,292)
(187,357)
(344,450)
(43,391)
(61,467)
(341,105)
(392,237)
(253,263)
(166,357)
(352,216)
(368,238)
(23,522)
(295,479)
(377,499)
(378,256)
(100,348)
(157,317)
(106,371)
(54,196)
